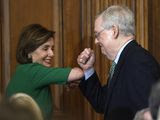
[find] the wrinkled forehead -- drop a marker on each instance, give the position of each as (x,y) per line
(98,24)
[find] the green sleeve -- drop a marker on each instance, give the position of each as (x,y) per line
(42,75)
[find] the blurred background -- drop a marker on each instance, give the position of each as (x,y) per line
(73,21)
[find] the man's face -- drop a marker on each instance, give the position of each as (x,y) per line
(44,53)
(104,38)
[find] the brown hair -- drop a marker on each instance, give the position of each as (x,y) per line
(26,101)
(9,111)
(31,37)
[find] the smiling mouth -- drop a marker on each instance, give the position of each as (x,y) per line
(48,61)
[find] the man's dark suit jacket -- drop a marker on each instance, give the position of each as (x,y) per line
(129,87)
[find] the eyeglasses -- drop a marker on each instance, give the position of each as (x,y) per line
(97,35)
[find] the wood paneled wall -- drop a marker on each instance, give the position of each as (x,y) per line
(0,47)
(73,21)
(154,28)
(5,44)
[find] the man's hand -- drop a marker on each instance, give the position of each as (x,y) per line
(86,59)
(72,85)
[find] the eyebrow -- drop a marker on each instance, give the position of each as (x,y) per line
(47,46)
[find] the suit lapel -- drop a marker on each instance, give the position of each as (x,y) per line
(118,67)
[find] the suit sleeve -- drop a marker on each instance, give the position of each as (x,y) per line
(94,92)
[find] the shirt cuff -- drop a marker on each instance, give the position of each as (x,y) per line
(88,73)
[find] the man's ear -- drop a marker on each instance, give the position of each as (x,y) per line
(115,29)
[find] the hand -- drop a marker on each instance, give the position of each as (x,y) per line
(72,85)
(86,59)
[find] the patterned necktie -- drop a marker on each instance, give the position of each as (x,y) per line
(111,71)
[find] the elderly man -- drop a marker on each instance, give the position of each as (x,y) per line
(133,69)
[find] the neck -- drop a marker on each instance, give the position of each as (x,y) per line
(120,43)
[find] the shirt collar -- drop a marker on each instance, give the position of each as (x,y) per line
(120,51)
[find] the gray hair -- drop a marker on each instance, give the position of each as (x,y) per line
(120,16)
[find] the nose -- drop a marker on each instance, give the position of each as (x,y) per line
(96,41)
(51,53)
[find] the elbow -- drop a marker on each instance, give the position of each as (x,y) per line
(75,74)
(79,72)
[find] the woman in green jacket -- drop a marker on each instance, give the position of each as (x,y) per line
(34,73)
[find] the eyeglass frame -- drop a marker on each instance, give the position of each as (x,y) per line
(96,35)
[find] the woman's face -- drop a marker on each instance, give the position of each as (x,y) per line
(44,53)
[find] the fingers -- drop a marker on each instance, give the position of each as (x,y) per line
(84,56)
(72,85)
(86,59)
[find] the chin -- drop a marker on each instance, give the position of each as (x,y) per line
(47,65)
